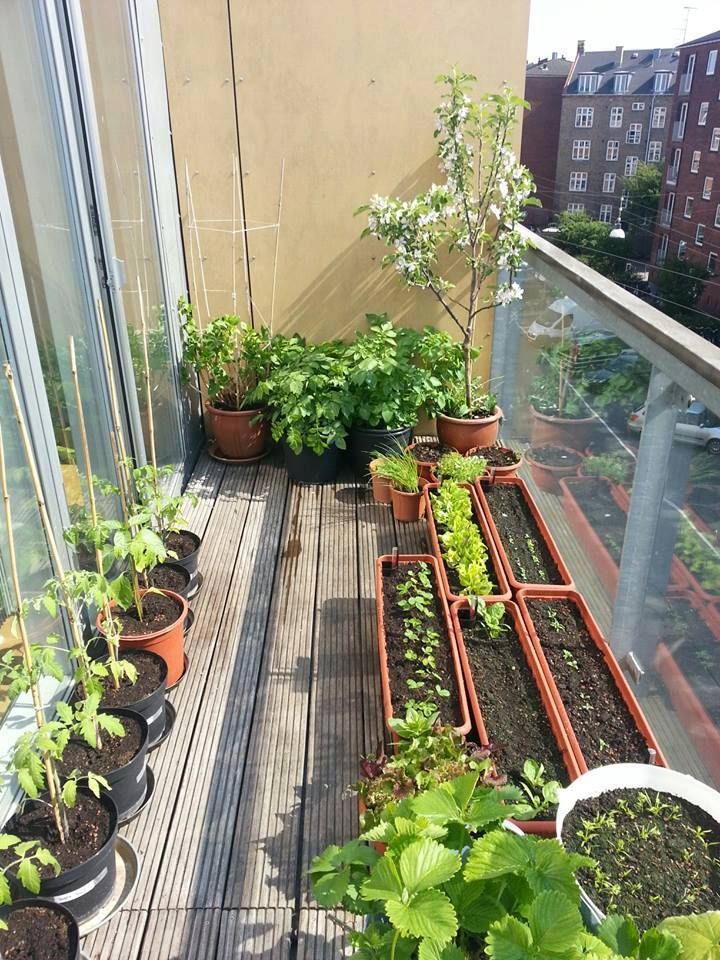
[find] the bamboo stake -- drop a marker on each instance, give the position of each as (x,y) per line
(25,640)
(148,390)
(234,266)
(120,473)
(243,235)
(277,245)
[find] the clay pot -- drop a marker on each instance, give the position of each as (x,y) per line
(407,507)
(426,468)
(507,471)
(381,488)
(560,431)
(463,434)
(548,477)
(239,434)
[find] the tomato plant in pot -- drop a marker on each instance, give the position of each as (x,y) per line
(473,216)
(230,359)
(386,388)
(400,471)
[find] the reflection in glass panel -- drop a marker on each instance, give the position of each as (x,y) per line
(42,216)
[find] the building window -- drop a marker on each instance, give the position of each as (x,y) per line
(662,82)
(612,151)
(622,83)
(717,216)
(695,162)
(715,140)
(699,234)
(658,117)
(608,183)
(682,249)
(581,150)
(631,165)
(689,201)
(616,116)
(584,117)
(666,214)
(707,187)
(638,105)
(654,151)
(634,133)
(578,182)
(576,208)
(687,77)
(662,248)
(712,263)
(587,82)
(606,212)
(711,62)
(703,113)
(624,198)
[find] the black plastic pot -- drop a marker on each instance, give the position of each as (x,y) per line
(57,908)
(183,571)
(309,467)
(365,441)
(87,887)
(191,561)
(128,784)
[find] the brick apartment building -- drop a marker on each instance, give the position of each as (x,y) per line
(544,83)
(615,114)
(689,221)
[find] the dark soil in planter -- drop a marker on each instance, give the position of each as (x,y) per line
(167,578)
(608,520)
(116,751)
(89,829)
(603,724)
(510,703)
(497,456)
(524,545)
(555,456)
(181,544)
(667,872)
(400,669)
(159,612)
(35,933)
(150,674)
(430,452)
(696,652)
(452,576)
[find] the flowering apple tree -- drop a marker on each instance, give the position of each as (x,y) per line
(475,212)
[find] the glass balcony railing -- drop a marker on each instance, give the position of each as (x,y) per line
(627,403)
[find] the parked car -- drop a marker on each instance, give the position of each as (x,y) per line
(697,425)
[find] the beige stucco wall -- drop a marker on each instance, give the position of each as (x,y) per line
(342,91)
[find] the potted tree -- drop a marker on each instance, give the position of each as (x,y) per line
(230,359)
(474,213)
(560,416)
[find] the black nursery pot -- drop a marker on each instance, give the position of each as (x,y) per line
(73,951)
(192,560)
(152,707)
(128,784)
(366,441)
(184,590)
(309,467)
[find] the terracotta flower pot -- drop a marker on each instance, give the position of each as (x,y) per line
(547,476)
(426,468)
(560,431)
(463,434)
(407,507)
(496,566)
(507,470)
(239,434)
(381,488)
(166,643)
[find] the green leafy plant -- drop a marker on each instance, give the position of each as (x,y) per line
(699,557)
(606,465)
(463,547)
(398,468)
(28,856)
(541,793)
(454,466)
(166,512)
(493,616)
(416,601)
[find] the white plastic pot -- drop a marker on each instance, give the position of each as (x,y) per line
(631,776)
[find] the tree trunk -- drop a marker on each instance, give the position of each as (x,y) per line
(470,330)
(467,347)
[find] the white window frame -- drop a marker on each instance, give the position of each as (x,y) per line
(687,77)
(695,161)
(703,111)
(584,114)
(699,234)
(654,151)
(621,82)
(662,81)
(624,199)
(631,165)
(682,249)
(717,216)
(715,140)
(616,117)
(659,118)
(612,150)
(578,181)
(576,207)
(662,248)
(608,179)
(711,63)
(708,187)
(587,82)
(605,215)
(666,214)
(638,105)
(581,149)
(634,133)
(688,211)
(712,263)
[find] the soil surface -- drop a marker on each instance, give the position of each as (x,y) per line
(430,452)
(510,703)
(150,675)
(602,722)
(159,612)
(116,751)
(555,456)
(696,651)
(399,668)
(35,933)
(670,871)
(608,520)
(452,576)
(88,830)
(181,543)
(529,557)
(166,577)
(498,456)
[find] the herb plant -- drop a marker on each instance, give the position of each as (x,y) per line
(400,469)
(461,542)
(700,557)
(460,469)
(606,465)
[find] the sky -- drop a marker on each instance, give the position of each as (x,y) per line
(557,25)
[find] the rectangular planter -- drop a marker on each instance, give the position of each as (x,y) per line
(382,565)
(495,565)
(611,665)
(460,611)
(563,574)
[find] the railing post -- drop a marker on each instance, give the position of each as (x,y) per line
(638,559)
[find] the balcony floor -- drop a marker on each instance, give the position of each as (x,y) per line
(280,699)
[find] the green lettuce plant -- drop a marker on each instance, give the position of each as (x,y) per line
(460,469)
(461,542)
(607,465)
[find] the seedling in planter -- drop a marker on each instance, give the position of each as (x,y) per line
(569,659)
(542,794)
(532,547)
(492,616)
(455,467)
(553,620)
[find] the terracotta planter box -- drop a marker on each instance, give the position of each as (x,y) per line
(382,564)
(460,610)
(463,435)
(495,563)
(563,574)
(560,431)
(610,662)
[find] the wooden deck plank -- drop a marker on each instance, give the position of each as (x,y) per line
(263,863)
(120,939)
(205,484)
(181,935)
(322,934)
(258,933)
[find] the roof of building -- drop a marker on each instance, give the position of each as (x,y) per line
(554,66)
(708,38)
(642,65)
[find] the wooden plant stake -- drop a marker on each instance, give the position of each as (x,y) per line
(148,396)
(38,708)
(114,404)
